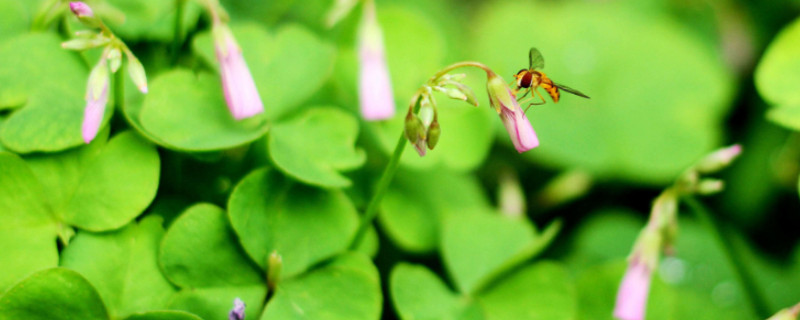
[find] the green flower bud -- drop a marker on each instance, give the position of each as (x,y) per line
(136,71)
(709,186)
(274,269)
(433,134)
(85,43)
(413,127)
(114,57)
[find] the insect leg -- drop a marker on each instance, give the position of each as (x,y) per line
(536,93)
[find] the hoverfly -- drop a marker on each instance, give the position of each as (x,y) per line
(531,79)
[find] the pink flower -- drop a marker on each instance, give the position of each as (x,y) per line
(237,313)
(374,87)
(514,119)
(240,91)
(81,10)
(96,99)
(632,295)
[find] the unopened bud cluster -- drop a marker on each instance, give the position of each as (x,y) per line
(660,233)
(422,120)
(99,36)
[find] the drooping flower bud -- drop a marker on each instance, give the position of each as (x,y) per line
(114,59)
(425,115)
(96,99)
(718,159)
(136,72)
(414,128)
(376,99)
(237,313)
(238,86)
(631,301)
(434,131)
(514,119)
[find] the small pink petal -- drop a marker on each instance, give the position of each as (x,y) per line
(80,9)
(632,295)
(376,99)
(238,86)
(93,114)
(519,129)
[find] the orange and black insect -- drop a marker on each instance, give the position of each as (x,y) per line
(530,79)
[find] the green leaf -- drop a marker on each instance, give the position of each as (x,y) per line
(52,98)
(215,303)
(15,19)
(416,202)
(27,229)
(417,293)
(542,291)
(603,236)
(304,225)
(202,231)
(787,115)
(188,112)
(346,288)
(163,315)
(650,115)
(476,243)
(53,294)
(100,187)
(199,254)
(122,266)
(777,78)
(316,145)
(287,67)
(147,20)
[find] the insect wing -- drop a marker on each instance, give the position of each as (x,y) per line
(535,59)
(572,91)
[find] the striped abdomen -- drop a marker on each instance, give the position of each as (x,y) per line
(550,87)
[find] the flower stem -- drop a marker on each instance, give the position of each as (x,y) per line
(177,37)
(457,65)
(743,275)
(380,191)
(119,88)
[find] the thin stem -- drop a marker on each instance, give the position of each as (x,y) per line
(742,273)
(457,65)
(177,40)
(380,191)
(119,88)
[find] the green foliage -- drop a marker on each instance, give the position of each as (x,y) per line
(48,113)
(315,146)
(777,78)
(56,293)
(122,266)
(176,209)
(304,225)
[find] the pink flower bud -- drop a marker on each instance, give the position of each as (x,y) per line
(514,118)
(376,99)
(719,159)
(240,90)
(81,10)
(632,295)
(96,99)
